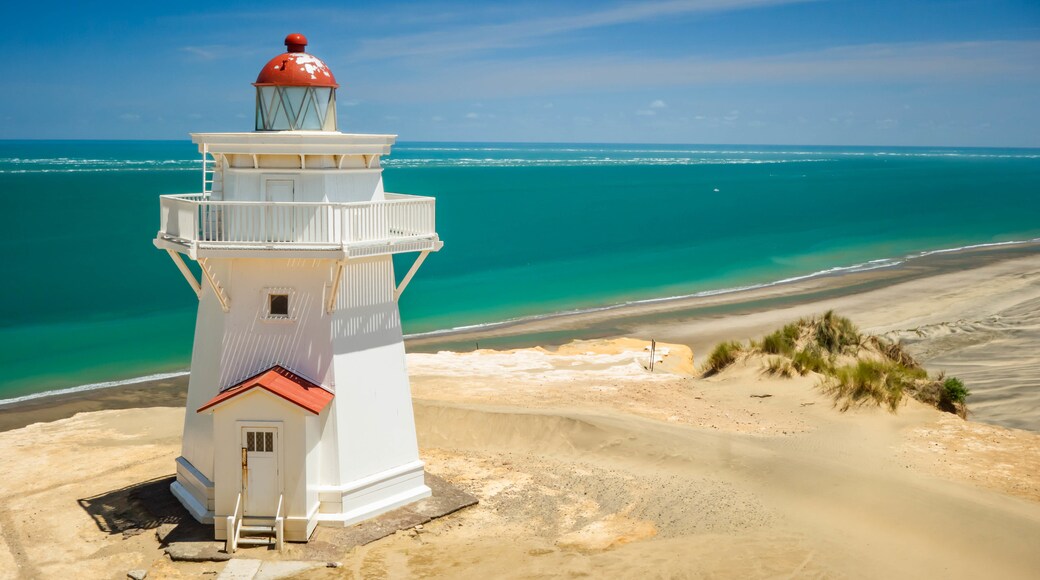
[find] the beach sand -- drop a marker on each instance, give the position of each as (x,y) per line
(586,463)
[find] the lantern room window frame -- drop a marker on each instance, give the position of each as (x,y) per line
(295,108)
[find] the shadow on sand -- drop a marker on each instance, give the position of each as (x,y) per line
(145,506)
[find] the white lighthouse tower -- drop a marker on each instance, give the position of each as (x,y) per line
(299,411)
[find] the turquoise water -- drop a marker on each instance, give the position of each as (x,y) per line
(530,229)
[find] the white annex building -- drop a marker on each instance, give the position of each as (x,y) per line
(299,410)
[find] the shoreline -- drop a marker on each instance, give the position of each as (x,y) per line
(615,320)
(834,272)
(669,319)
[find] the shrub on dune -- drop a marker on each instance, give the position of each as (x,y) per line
(882,382)
(780,367)
(810,360)
(724,354)
(855,369)
(782,341)
(837,334)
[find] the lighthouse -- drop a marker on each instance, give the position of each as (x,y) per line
(299,409)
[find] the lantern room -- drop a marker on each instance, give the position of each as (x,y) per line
(295,91)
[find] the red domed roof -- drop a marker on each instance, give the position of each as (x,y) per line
(296,68)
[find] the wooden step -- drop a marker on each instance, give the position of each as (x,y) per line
(256,529)
(254,541)
(257,521)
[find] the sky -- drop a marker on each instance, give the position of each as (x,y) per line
(799,72)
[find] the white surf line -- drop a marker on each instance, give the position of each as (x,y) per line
(93,387)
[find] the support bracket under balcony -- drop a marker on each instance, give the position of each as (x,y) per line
(188,276)
(411,272)
(337,277)
(217,288)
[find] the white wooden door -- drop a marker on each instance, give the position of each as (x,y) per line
(260,481)
(280,219)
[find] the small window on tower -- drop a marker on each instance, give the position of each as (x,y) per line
(279,305)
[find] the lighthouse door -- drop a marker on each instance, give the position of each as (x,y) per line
(280,217)
(260,481)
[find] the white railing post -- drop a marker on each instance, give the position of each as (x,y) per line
(279,526)
(231,542)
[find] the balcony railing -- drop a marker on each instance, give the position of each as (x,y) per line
(194,220)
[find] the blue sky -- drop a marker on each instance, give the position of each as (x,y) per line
(910,72)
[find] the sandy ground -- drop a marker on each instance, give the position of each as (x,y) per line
(585,463)
(981,325)
(588,464)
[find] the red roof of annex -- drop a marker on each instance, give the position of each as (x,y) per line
(282,382)
(296,68)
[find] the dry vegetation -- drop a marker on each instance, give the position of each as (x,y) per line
(853,368)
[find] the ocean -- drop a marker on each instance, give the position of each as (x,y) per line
(529,230)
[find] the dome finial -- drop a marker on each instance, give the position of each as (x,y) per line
(295,42)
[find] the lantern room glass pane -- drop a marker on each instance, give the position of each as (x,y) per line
(278,121)
(321,97)
(294,108)
(310,119)
(292,102)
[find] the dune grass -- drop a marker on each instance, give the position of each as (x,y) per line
(837,334)
(780,367)
(879,381)
(723,355)
(782,341)
(853,368)
(810,360)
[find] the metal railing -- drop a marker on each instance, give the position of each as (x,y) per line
(195,218)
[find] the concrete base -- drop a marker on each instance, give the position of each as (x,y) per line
(371,496)
(331,543)
(194,490)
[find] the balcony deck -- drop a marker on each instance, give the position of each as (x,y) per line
(195,225)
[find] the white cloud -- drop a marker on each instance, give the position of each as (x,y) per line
(956,62)
(522,32)
(658,104)
(472,115)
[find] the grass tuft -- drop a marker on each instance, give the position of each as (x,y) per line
(836,334)
(883,382)
(782,341)
(780,367)
(810,360)
(724,354)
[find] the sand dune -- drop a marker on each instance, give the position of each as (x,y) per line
(613,472)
